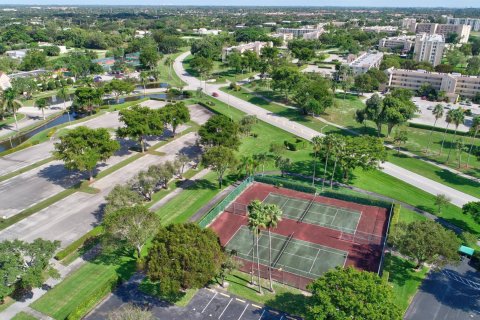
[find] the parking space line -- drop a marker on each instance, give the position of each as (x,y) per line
(254,305)
(240,300)
(243,311)
(261,314)
(209,302)
(281,317)
(225,295)
(225,308)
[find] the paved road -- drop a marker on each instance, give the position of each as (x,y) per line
(451,294)
(457,198)
(25,157)
(70,218)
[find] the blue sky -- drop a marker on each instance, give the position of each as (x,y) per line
(380,3)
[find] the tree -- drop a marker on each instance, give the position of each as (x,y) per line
(143,79)
(63,94)
(455,57)
(347,293)
(473,66)
(458,116)
(448,120)
(140,122)
(34,59)
(262,159)
(88,97)
(121,196)
(474,130)
(83,148)
(130,312)
(203,66)
(284,164)
(175,114)
(219,130)
(145,183)
(363,83)
(131,227)
(149,57)
(10,103)
(219,159)
(314,95)
(169,63)
(182,160)
(374,112)
(119,87)
(473,209)
(401,137)
(228,266)
(397,109)
(184,256)
(272,215)
(24,265)
(256,221)
(426,242)
(317,142)
(41,104)
(285,79)
(452,38)
(437,112)
(441,201)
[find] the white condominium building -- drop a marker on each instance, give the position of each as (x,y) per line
(365,62)
(300,32)
(404,43)
(453,84)
(473,23)
(4,81)
(463,31)
(256,47)
(429,48)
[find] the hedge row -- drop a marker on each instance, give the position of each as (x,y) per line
(92,300)
(286,184)
(74,246)
(351,197)
(438,129)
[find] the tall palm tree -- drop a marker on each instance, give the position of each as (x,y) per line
(11,103)
(42,105)
(458,116)
(143,80)
(474,128)
(329,142)
(437,112)
(338,148)
(317,146)
(63,94)
(169,63)
(262,159)
(273,215)
(459,144)
(256,221)
(448,120)
(247,164)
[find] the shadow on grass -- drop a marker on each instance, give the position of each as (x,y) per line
(292,303)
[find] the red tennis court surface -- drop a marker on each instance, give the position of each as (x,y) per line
(364,248)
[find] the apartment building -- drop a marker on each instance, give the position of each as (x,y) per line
(256,47)
(473,23)
(404,43)
(381,29)
(429,48)
(365,62)
(408,23)
(300,32)
(4,81)
(454,84)
(463,31)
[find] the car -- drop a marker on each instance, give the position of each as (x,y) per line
(430,108)
(215,94)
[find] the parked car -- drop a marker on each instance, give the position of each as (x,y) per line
(215,94)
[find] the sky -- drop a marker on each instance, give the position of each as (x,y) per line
(363,3)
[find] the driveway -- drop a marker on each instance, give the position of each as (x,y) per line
(428,185)
(451,294)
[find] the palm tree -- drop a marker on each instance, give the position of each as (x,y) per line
(329,142)
(10,103)
(169,63)
(262,159)
(459,144)
(143,80)
(42,105)
(317,145)
(63,94)
(256,221)
(338,145)
(438,112)
(457,119)
(474,128)
(273,215)
(247,164)
(448,120)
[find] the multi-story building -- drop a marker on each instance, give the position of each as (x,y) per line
(454,84)
(299,32)
(314,35)
(17,54)
(463,31)
(404,43)
(473,23)
(429,48)
(408,23)
(256,47)
(365,62)
(381,29)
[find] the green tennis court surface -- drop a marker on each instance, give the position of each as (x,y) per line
(302,258)
(312,212)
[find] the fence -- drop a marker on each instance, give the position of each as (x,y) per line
(362,238)
(222,205)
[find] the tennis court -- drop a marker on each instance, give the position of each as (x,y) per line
(312,212)
(299,257)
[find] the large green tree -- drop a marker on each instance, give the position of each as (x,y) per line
(175,114)
(86,98)
(314,95)
(285,79)
(219,130)
(219,159)
(83,148)
(184,256)
(121,196)
(347,293)
(119,87)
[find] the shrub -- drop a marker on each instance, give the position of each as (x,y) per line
(275,181)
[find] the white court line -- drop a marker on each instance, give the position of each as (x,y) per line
(334,217)
(315,260)
(243,311)
(209,302)
(261,314)
(225,308)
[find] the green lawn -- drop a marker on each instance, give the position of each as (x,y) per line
(409,216)
(404,279)
(170,76)
(285,298)
(180,299)
(11,120)
(23,316)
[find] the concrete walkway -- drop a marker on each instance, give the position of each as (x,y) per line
(457,198)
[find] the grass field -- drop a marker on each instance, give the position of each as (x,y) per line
(23,316)
(169,76)
(11,121)
(404,279)
(409,216)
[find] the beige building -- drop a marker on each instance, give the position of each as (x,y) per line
(454,85)
(429,48)
(256,47)
(473,23)
(408,23)
(462,30)
(404,43)
(365,62)
(4,81)
(300,32)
